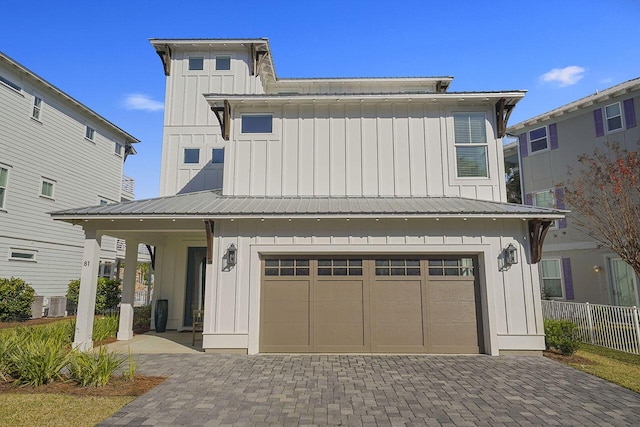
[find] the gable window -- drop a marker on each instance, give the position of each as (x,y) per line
(217,155)
(551,273)
(538,139)
(196,63)
(16,254)
(46,188)
(613,114)
(4,175)
(11,84)
(90,133)
(257,123)
(118,149)
(191,155)
(37,106)
(223,63)
(471,145)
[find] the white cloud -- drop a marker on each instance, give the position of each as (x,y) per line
(564,76)
(139,101)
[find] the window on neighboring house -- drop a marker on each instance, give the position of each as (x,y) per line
(613,114)
(103,202)
(11,84)
(217,155)
(551,273)
(16,254)
(546,199)
(89,133)
(4,176)
(191,155)
(471,145)
(37,106)
(223,63)
(118,149)
(538,139)
(196,63)
(46,188)
(257,123)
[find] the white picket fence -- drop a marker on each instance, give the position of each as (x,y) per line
(604,325)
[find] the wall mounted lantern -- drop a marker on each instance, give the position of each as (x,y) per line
(597,268)
(510,255)
(232,255)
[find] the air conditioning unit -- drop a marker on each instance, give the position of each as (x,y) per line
(36,307)
(57,306)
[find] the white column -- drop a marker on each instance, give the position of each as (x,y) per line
(125,330)
(83,339)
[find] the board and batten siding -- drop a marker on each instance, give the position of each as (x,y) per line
(399,149)
(53,147)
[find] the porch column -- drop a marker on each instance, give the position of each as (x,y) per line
(83,339)
(125,330)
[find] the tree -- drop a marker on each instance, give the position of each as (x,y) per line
(514,194)
(605,193)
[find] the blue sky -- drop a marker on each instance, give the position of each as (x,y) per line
(99,53)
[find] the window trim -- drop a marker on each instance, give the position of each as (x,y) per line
(194,57)
(243,115)
(555,225)
(216,63)
(456,145)
(117,152)
(3,204)
(621,115)
(32,252)
(184,155)
(530,140)
(89,133)
(562,288)
(53,188)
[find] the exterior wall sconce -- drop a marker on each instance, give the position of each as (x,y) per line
(232,255)
(597,268)
(510,255)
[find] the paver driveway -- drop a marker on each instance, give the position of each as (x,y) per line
(206,389)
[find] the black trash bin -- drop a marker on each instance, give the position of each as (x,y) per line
(160,318)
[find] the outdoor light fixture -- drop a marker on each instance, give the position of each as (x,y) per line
(232,255)
(596,268)
(510,255)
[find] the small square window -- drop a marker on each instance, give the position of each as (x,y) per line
(118,149)
(217,155)
(46,188)
(37,106)
(613,113)
(89,133)
(196,63)
(192,155)
(255,123)
(538,138)
(223,63)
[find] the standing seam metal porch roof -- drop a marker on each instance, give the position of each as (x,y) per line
(210,204)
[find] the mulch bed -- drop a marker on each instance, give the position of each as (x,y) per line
(33,322)
(559,357)
(116,387)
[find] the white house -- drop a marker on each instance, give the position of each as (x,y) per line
(575,267)
(329,215)
(55,153)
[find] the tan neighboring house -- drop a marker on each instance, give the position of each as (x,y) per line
(55,153)
(574,267)
(328,214)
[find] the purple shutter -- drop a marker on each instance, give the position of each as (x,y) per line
(528,199)
(553,136)
(568,278)
(524,152)
(562,223)
(629,113)
(597,119)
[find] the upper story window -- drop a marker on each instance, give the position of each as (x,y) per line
(223,62)
(37,106)
(471,145)
(538,139)
(257,123)
(191,155)
(90,133)
(551,272)
(47,187)
(613,115)
(11,84)
(546,199)
(103,202)
(217,155)
(4,177)
(16,254)
(196,63)
(119,148)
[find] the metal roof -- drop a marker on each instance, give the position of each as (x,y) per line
(210,204)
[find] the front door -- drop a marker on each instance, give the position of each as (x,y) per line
(625,284)
(196,269)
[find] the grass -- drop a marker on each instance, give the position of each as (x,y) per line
(57,409)
(612,365)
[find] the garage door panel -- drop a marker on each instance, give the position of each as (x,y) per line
(290,290)
(285,312)
(296,334)
(397,290)
(337,312)
(340,334)
(339,290)
(399,334)
(452,312)
(452,291)
(397,312)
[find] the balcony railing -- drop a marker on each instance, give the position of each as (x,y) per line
(128,185)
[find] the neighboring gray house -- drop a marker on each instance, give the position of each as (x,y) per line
(574,267)
(55,153)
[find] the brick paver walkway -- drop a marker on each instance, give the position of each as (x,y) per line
(206,389)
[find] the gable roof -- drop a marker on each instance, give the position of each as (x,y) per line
(210,204)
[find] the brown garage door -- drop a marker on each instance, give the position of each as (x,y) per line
(375,304)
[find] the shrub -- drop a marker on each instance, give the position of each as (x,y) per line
(107,294)
(142,317)
(105,327)
(37,361)
(16,298)
(94,368)
(561,335)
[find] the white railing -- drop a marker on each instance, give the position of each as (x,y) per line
(140,298)
(604,325)
(128,184)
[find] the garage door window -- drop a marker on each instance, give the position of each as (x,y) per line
(339,267)
(397,267)
(451,267)
(286,267)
